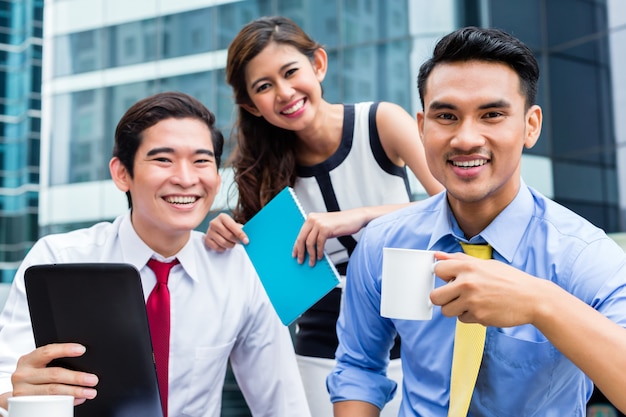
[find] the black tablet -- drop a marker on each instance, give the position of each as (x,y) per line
(101,306)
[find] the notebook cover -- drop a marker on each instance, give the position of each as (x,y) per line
(291,287)
(101,306)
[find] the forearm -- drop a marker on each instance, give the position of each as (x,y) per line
(589,339)
(355,409)
(367,214)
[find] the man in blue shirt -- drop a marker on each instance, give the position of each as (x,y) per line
(553,297)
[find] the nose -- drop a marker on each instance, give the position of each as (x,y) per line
(185,175)
(468,135)
(284,91)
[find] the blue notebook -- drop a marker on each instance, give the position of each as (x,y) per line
(291,287)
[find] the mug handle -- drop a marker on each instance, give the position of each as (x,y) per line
(3,412)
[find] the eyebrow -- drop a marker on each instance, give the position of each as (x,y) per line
(498,104)
(282,68)
(157,151)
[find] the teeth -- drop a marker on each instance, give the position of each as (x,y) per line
(470,164)
(294,108)
(181,200)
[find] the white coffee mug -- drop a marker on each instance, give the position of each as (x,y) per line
(407,281)
(40,406)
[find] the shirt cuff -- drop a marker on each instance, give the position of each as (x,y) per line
(354,384)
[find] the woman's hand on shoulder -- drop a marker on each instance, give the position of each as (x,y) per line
(224,233)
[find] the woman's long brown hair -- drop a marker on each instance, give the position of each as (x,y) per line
(264,160)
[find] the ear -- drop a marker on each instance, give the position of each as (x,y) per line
(420,124)
(219,183)
(320,63)
(534,119)
(119,174)
(250,108)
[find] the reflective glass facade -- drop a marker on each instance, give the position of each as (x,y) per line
(20,123)
(576,97)
(374,49)
(103,55)
(369,68)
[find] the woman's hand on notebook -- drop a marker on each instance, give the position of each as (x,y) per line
(319,227)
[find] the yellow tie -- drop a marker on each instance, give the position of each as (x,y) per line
(469,342)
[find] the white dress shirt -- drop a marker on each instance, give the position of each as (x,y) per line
(219,310)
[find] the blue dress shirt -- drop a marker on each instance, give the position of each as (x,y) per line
(522,373)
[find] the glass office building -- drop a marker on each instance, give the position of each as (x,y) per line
(100,56)
(20,121)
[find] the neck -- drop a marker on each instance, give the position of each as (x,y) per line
(322,138)
(165,244)
(473,218)
(167,249)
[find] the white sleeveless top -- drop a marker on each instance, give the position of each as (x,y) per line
(358,174)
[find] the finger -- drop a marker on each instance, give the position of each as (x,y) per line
(219,242)
(442,256)
(213,239)
(467,317)
(43,355)
(237,233)
(299,247)
(34,368)
(311,247)
(453,266)
(80,394)
(321,242)
(32,375)
(444,295)
(443,269)
(51,376)
(213,244)
(224,233)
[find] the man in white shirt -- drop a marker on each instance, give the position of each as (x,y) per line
(166,159)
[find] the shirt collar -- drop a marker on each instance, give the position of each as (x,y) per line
(137,253)
(504,233)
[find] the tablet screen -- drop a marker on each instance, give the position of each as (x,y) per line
(101,306)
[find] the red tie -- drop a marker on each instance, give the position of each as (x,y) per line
(158,309)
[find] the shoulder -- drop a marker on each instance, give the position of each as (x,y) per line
(77,243)
(415,220)
(563,220)
(396,126)
(387,110)
(570,237)
(383,110)
(422,209)
(233,261)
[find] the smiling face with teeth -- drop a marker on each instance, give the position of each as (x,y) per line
(474,127)
(174,182)
(284,85)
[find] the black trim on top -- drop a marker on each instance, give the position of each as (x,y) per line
(340,154)
(379,153)
(331,203)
